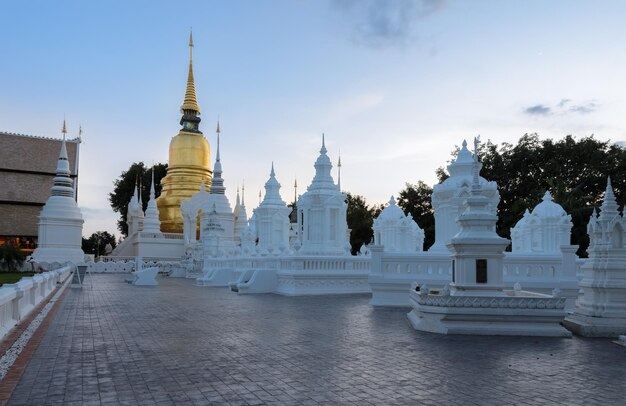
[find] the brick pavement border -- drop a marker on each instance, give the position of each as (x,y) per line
(13,375)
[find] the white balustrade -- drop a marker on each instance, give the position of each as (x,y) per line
(17,300)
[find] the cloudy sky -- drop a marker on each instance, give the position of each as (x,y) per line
(394,84)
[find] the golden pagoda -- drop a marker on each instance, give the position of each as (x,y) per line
(189,160)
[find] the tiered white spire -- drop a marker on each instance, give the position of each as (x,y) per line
(217,184)
(609,208)
(241,217)
(323,166)
(63,184)
(152,223)
(272,191)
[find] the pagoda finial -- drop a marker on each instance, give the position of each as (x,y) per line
(272,174)
(475,168)
(547,197)
(339,172)
(190,103)
(152,185)
(259,196)
(243,192)
(218,132)
(63,165)
(323,149)
(295,191)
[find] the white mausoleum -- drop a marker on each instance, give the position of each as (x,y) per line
(60,221)
(601,312)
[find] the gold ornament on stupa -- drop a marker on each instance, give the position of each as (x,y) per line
(189,160)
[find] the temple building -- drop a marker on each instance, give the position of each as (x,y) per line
(271,219)
(322,213)
(189,160)
(449,197)
(27,170)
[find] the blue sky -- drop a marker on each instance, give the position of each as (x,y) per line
(394,85)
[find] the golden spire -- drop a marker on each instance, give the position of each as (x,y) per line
(190,102)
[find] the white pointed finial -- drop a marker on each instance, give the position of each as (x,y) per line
(243,192)
(272,174)
(339,172)
(392,201)
(295,190)
(152,185)
(547,197)
(218,132)
(476,141)
(609,187)
(323,149)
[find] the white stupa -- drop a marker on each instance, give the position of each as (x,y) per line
(476,302)
(152,224)
(133,212)
(218,202)
(60,220)
(396,231)
(544,231)
(240,214)
(322,213)
(190,209)
(272,219)
(601,312)
(448,199)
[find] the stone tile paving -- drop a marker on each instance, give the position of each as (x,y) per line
(187,345)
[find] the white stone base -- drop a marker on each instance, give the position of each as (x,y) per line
(60,255)
(216,277)
(588,326)
(483,315)
(393,290)
(298,283)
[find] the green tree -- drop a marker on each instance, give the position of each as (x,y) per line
(573,170)
(97,242)
(125,185)
(416,200)
(11,257)
(360,219)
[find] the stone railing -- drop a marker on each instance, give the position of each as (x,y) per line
(300,263)
(517,268)
(127,264)
(166,236)
(17,300)
(506,302)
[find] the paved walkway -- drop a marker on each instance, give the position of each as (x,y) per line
(182,344)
